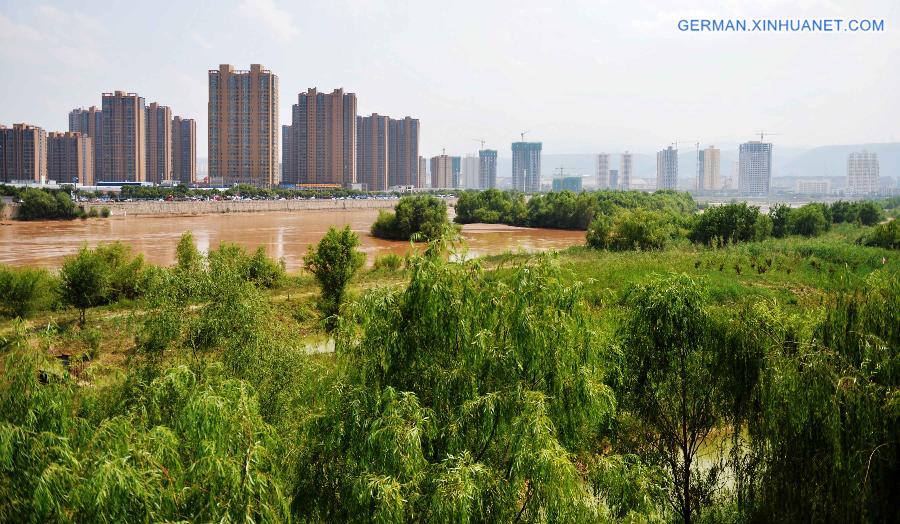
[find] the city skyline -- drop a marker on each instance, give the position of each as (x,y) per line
(394,74)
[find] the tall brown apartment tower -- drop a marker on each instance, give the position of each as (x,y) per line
(184,150)
(23,153)
(441,174)
(243,126)
(123,153)
(323,140)
(159,142)
(70,158)
(288,155)
(89,122)
(372,156)
(403,168)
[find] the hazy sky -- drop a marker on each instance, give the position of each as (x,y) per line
(581,76)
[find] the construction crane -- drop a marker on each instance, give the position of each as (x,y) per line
(764,134)
(480,140)
(522,135)
(697,158)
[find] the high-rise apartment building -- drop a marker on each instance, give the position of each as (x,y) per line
(487,169)
(423,173)
(123,153)
(372,152)
(567,183)
(159,142)
(89,122)
(184,150)
(754,168)
(603,171)
(455,171)
(862,173)
(626,168)
(323,127)
(613,178)
(403,152)
(667,168)
(468,175)
(441,171)
(70,158)
(526,166)
(288,156)
(23,153)
(709,166)
(243,126)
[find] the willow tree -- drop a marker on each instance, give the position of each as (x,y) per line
(462,398)
(334,261)
(185,447)
(828,431)
(682,379)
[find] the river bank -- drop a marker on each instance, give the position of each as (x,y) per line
(215,207)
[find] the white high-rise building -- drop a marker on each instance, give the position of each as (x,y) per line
(755,168)
(468,177)
(667,168)
(626,168)
(862,173)
(603,171)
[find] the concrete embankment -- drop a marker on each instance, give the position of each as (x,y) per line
(225,206)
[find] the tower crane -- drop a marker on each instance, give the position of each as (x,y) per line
(522,135)
(480,140)
(764,134)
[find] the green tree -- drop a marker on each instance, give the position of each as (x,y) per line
(84,281)
(679,381)
(422,217)
(869,213)
(38,204)
(333,262)
(730,223)
(885,235)
(24,291)
(462,398)
(780,215)
(809,220)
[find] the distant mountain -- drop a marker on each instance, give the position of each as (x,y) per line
(832,160)
(821,162)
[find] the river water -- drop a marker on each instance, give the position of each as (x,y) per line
(284,235)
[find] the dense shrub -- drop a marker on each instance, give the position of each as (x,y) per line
(25,291)
(780,215)
(188,445)
(565,209)
(491,206)
(39,204)
(866,212)
(127,278)
(736,222)
(810,220)
(462,398)
(885,235)
(421,217)
(388,262)
(233,260)
(631,229)
(84,281)
(828,411)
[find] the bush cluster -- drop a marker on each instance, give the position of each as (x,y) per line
(420,217)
